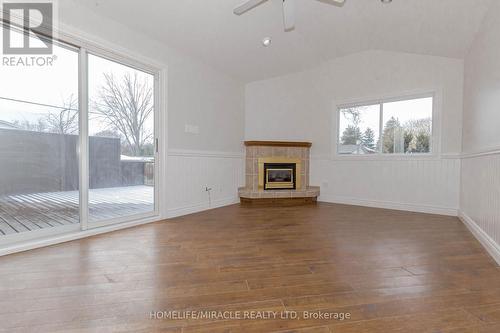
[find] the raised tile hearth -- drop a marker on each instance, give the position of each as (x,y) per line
(277,172)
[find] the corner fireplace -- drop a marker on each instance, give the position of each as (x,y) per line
(280,176)
(277,173)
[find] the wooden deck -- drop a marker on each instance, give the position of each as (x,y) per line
(27,212)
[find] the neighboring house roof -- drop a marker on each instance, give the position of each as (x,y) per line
(355,149)
(6,125)
(136,158)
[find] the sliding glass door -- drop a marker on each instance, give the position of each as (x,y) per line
(78,143)
(121,126)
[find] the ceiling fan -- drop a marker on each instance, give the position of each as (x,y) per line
(288,9)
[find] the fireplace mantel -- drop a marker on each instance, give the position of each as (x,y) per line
(278,144)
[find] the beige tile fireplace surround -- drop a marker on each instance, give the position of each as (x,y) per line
(260,153)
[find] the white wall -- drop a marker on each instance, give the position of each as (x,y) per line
(196,94)
(301,106)
(482,87)
(480,193)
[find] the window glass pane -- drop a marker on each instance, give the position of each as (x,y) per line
(121,142)
(359,130)
(407,126)
(38,144)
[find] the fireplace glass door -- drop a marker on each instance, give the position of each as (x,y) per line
(279,176)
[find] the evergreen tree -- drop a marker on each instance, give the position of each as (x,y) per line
(351,135)
(423,143)
(368,139)
(408,140)
(390,131)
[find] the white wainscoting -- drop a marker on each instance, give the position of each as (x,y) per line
(429,185)
(190,172)
(480,198)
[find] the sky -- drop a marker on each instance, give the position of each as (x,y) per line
(53,85)
(44,84)
(408,110)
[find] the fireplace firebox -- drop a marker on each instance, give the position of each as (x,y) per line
(280,176)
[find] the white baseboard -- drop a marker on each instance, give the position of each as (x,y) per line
(390,205)
(488,243)
(191,209)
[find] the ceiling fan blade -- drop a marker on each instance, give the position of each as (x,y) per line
(289,14)
(246,6)
(333,2)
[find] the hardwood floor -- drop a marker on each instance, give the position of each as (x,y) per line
(389,271)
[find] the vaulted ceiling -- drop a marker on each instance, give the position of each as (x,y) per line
(209,31)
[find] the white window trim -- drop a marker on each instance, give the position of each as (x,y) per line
(408,95)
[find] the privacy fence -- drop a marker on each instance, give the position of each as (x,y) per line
(32,162)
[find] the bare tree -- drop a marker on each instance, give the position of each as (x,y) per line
(352,134)
(353,115)
(66,120)
(39,126)
(125,104)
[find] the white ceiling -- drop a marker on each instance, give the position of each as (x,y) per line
(209,31)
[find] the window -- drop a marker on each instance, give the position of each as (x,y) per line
(389,127)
